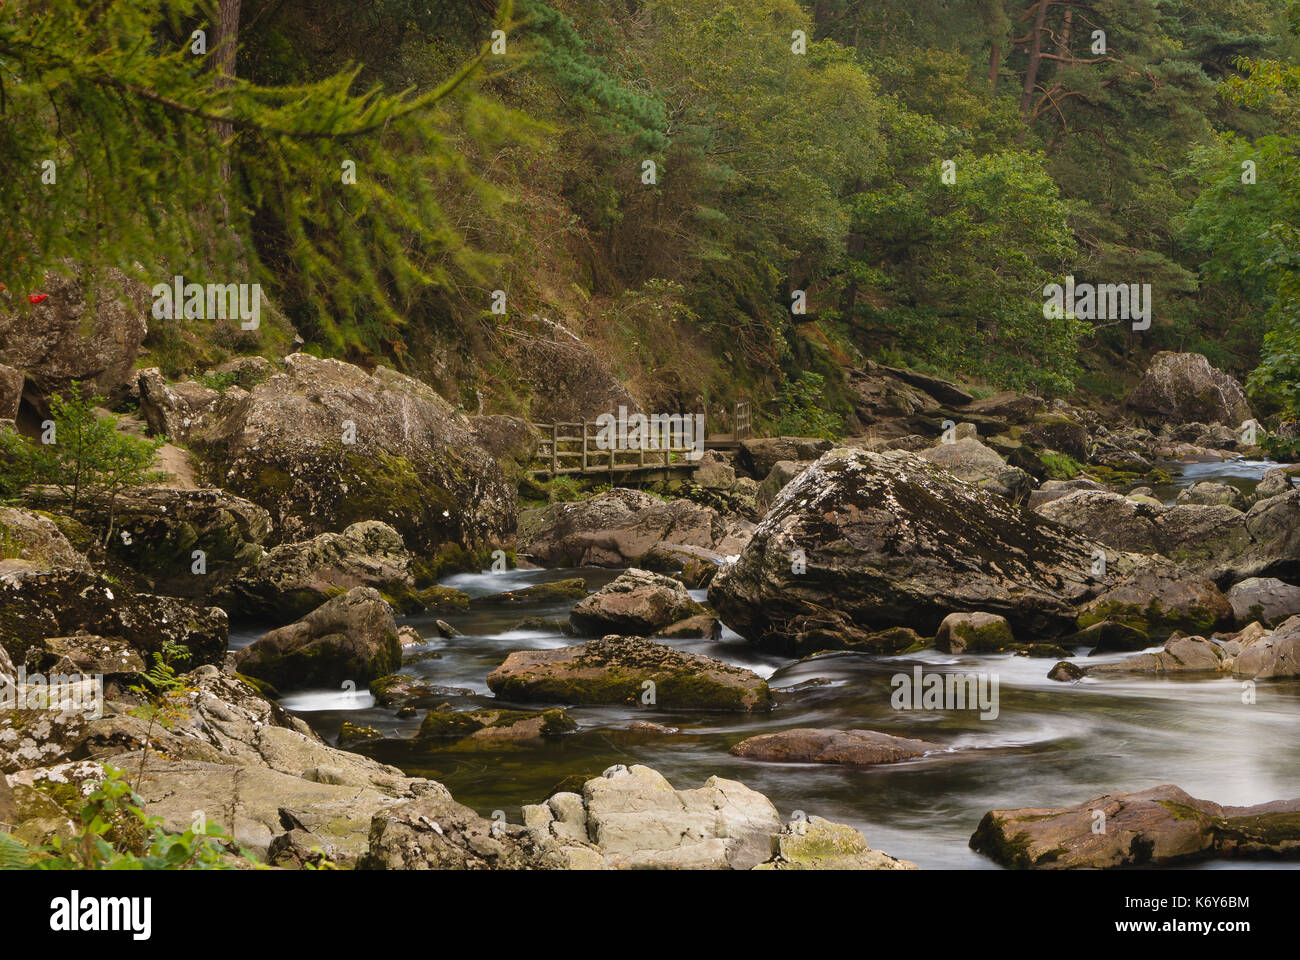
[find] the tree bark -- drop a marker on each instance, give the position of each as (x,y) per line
(1035,58)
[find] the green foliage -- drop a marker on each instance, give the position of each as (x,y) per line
(90,456)
(161,159)
(1060,466)
(803,410)
(1278,447)
(115,833)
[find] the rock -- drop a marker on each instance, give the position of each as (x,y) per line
(637,602)
(697,574)
(511,440)
(701,627)
(1216,542)
(30,541)
(1272,657)
(110,657)
(782,472)
(495,726)
(1180,655)
(809,745)
(817,844)
(1184,387)
(1266,599)
(556,591)
(352,733)
(436,599)
(437,833)
(1157,600)
(620,529)
(11,392)
(639,821)
(1157,826)
(295,578)
(966,459)
(1274,483)
(1065,672)
(166,525)
(351,637)
(400,689)
(66,602)
(1058,432)
(758,455)
(1209,493)
(889,539)
(615,670)
(1056,489)
(714,472)
(89,335)
(324,444)
(973,632)
(1110,636)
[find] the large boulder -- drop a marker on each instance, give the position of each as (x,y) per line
(1185,388)
(1266,599)
(296,578)
(1159,599)
(1059,432)
(886,540)
(625,670)
(813,745)
(160,529)
(1217,542)
(974,633)
(83,331)
(1156,826)
(1180,655)
(32,541)
(324,444)
(623,528)
(62,602)
(637,602)
(966,459)
(1209,493)
(1274,656)
(352,637)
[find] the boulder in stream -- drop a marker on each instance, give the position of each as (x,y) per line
(636,602)
(627,670)
(876,541)
(352,637)
(1162,825)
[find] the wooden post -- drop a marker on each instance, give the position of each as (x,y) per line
(584,445)
(555,448)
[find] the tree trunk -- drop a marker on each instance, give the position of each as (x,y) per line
(1035,58)
(995,61)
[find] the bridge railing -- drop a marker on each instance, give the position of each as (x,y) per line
(573,447)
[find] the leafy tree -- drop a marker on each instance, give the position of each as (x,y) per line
(89,457)
(165,155)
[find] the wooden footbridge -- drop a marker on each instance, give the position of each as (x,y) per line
(666,445)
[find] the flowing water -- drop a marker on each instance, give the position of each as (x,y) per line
(1051,744)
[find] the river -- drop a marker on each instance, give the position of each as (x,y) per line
(1052,744)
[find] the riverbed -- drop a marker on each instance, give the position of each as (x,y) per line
(1051,744)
